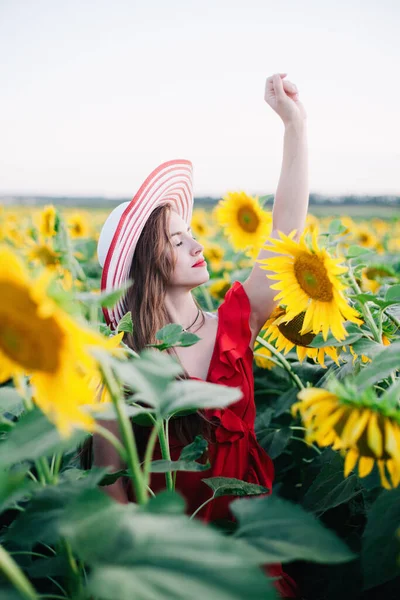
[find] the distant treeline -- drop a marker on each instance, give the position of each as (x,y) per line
(204,201)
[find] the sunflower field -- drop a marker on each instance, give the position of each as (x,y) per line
(327,391)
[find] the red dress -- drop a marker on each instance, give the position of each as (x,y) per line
(236,452)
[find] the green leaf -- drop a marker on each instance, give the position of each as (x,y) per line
(42,517)
(356,251)
(393,294)
(11,401)
(380,544)
(148,375)
(194,450)
(229,486)
(285,532)
(170,333)
(106,299)
(34,436)
(336,227)
(274,441)
(166,502)
(191,395)
(330,488)
(391,395)
(318,341)
(14,486)
(369,297)
(132,548)
(368,347)
(173,335)
(125,324)
(166,466)
(383,364)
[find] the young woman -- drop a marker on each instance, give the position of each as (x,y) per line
(149,241)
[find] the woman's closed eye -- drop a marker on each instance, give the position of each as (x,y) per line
(180,243)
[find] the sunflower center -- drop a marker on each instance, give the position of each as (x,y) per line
(363,238)
(248,219)
(291,331)
(25,338)
(312,277)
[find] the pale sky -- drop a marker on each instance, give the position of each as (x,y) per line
(95,94)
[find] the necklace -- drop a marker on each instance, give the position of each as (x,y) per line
(197,316)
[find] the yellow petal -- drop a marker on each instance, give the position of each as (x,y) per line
(365,466)
(392,439)
(350,461)
(384,481)
(354,428)
(374,435)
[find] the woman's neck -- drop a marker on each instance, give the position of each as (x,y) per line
(180,306)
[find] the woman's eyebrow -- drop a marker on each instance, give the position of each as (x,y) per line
(179,232)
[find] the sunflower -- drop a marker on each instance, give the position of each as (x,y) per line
(364,430)
(363,236)
(308,282)
(200,223)
(78,225)
(44,254)
(244,221)
(214,255)
(219,287)
(286,336)
(40,340)
(46,221)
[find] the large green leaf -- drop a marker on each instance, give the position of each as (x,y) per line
(383,364)
(274,440)
(41,518)
(191,395)
(330,488)
(148,375)
(368,347)
(150,555)
(380,544)
(34,436)
(14,486)
(286,532)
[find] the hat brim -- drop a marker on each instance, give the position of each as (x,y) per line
(171,182)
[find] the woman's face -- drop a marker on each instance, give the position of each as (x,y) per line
(187,252)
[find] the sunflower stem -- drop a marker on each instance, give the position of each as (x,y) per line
(15,575)
(114,441)
(270,358)
(132,457)
(165,453)
(364,308)
(149,451)
(299,439)
(282,360)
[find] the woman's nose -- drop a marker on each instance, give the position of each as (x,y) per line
(197,247)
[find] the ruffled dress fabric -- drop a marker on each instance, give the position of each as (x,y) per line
(236,452)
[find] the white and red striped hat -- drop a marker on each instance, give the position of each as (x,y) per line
(171,182)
